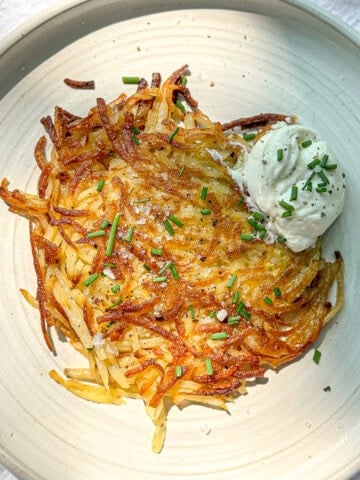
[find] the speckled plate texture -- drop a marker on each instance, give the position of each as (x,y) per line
(245,57)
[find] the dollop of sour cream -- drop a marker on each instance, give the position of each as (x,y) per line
(294,178)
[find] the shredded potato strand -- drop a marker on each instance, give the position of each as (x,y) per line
(138,302)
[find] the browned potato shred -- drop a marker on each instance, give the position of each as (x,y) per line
(144,308)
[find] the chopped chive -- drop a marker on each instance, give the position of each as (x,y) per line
(231,281)
(204,192)
(183,80)
(156,251)
(262,234)
(129,234)
(313,163)
(91,279)
(97,233)
(258,226)
(287,214)
(182,170)
(280,154)
(192,312)
(286,206)
(258,216)
(174,272)
(178,371)
(109,265)
(209,366)
(309,187)
(104,224)
(100,185)
(205,211)
(142,200)
(306,144)
(164,268)
(316,356)
(234,320)
(212,314)
(135,130)
(321,189)
(308,182)
(324,160)
(112,234)
(116,303)
(131,80)
(281,239)
(89,349)
(180,105)
(219,336)
(136,140)
(169,228)
(277,292)
(294,193)
(147,268)
(243,312)
(115,288)
(235,297)
(331,166)
(160,279)
(268,300)
(323,177)
(247,237)
(249,136)
(240,201)
(173,134)
(175,220)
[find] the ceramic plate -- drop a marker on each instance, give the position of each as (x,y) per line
(245,58)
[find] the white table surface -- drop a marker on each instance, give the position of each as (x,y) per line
(14,12)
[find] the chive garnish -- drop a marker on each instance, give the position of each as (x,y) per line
(174,272)
(173,134)
(321,189)
(316,356)
(135,130)
(180,105)
(249,136)
(169,228)
(262,234)
(136,140)
(209,366)
(100,185)
(109,265)
(192,312)
(182,170)
(258,226)
(119,300)
(240,201)
(147,268)
(313,163)
(231,281)
(324,160)
(205,211)
(104,224)
(164,268)
(160,279)
(142,200)
(280,154)
(112,234)
(97,233)
(219,336)
(277,292)
(258,216)
(287,214)
(323,177)
(247,237)
(243,312)
(115,288)
(91,279)
(212,314)
(306,143)
(178,371)
(129,234)
(204,192)
(234,320)
(308,182)
(331,166)
(268,300)
(235,297)
(156,251)
(131,80)
(175,220)
(294,193)
(183,80)
(281,239)
(289,209)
